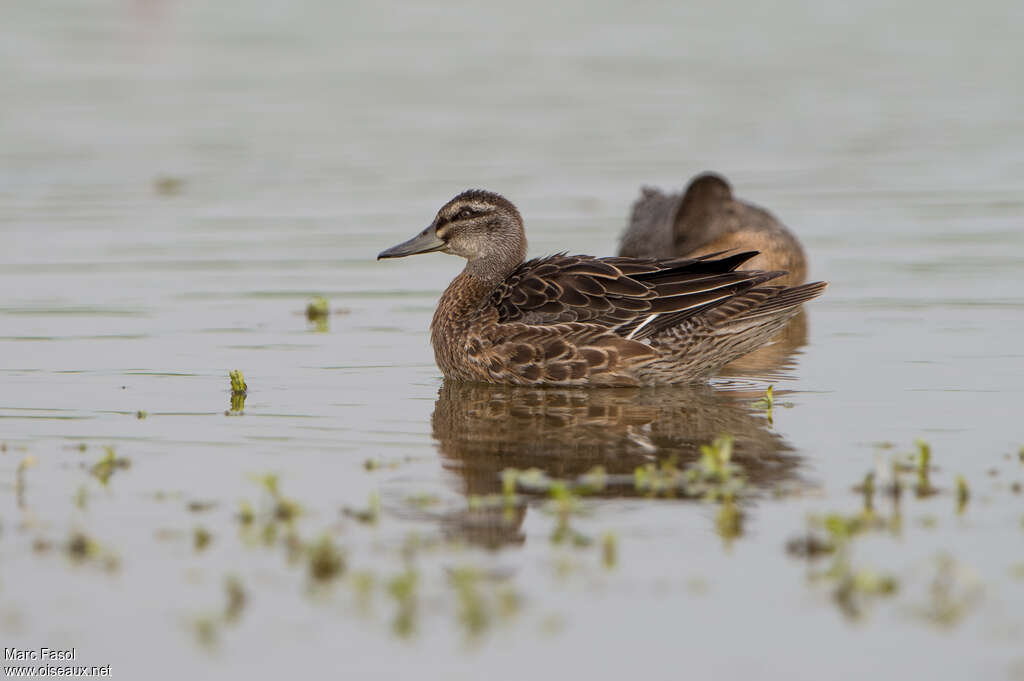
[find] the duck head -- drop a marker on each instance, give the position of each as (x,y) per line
(481,226)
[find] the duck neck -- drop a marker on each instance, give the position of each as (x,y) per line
(462,298)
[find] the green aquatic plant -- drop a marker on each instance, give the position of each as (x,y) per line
(856,588)
(318,312)
(952,593)
(368,515)
(766,403)
(168,185)
(715,458)
(325,560)
(201,538)
(238,385)
(609,550)
(473,613)
(962,494)
(207,631)
(282,508)
(286,510)
(729,521)
(378,464)
(239,391)
(509,478)
(810,546)
(81,548)
(246,516)
(867,488)
(19,478)
(423,500)
(402,588)
(923,459)
(235,598)
(140,414)
(363,583)
(593,481)
(317,308)
(103,469)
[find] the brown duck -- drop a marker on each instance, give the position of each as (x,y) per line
(707,219)
(580,320)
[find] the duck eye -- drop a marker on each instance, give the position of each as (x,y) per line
(465,213)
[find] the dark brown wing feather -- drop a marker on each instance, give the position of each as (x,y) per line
(620,294)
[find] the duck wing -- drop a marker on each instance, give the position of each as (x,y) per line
(634,298)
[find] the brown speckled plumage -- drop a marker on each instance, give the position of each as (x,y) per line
(707,219)
(580,320)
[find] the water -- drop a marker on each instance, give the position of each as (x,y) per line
(178,179)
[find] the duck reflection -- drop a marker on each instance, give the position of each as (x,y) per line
(483,429)
(775,358)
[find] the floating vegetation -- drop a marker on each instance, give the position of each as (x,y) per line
(363,583)
(423,500)
(810,546)
(237,382)
(924,456)
(236,598)
(609,550)
(200,506)
(201,538)
(81,497)
(140,414)
(713,477)
(103,469)
(318,312)
(239,391)
(962,494)
(275,511)
(207,630)
(402,588)
(317,308)
(378,464)
(81,548)
(852,588)
(952,592)
(366,515)
(867,488)
(766,403)
(168,185)
(729,521)
(246,515)
(473,613)
(282,509)
(856,588)
(19,478)
(325,560)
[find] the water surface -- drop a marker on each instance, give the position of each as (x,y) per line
(178,179)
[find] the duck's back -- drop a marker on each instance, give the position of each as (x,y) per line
(706,218)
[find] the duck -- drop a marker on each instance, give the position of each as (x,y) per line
(580,320)
(707,218)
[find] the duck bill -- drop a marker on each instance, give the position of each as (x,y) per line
(424,242)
